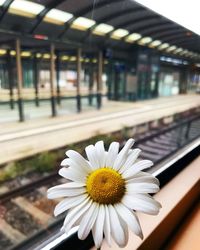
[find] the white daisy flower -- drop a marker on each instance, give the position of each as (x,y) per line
(105,191)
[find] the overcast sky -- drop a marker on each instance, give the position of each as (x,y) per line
(183,12)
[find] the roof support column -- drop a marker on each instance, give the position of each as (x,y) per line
(183,81)
(99,80)
(36,79)
(58,64)
(19,79)
(91,83)
(78,96)
(52,80)
(10,79)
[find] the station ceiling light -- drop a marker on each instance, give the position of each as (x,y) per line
(155,43)
(191,54)
(102,29)
(72,59)
(163,46)
(3,52)
(82,23)
(46,56)
(65,58)
(119,33)
(133,37)
(57,17)
(13,53)
(145,40)
(178,50)
(25,53)
(25,8)
(94,60)
(87,60)
(185,51)
(38,55)
(171,48)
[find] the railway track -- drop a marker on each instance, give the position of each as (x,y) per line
(26,214)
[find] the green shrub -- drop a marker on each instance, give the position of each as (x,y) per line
(45,162)
(10,171)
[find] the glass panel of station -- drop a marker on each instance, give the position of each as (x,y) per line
(8,92)
(134,77)
(194,80)
(177,76)
(36,90)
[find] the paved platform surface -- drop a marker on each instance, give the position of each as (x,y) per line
(19,140)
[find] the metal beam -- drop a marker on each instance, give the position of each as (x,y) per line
(36,79)
(189,42)
(158,27)
(49,40)
(117,14)
(78,65)
(120,13)
(168,32)
(58,66)
(84,12)
(150,30)
(5,8)
(52,80)
(137,20)
(177,37)
(99,80)
(53,4)
(91,82)
(19,79)
(10,79)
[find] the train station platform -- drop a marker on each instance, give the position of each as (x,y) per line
(21,140)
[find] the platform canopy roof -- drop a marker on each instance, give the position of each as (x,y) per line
(117,23)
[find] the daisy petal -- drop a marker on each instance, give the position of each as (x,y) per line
(112,154)
(97,230)
(87,221)
(107,228)
(142,187)
(68,203)
(142,203)
(99,146)
(125,228)
(74,215)
(67,189)
(121,157)
(79,160)
(138,166)
(73,164)
(130,160)
(130,218)
(65,163)
(148,179)
(72,174)
(117,231)
(92,157)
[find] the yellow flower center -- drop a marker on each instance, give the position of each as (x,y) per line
(105,186)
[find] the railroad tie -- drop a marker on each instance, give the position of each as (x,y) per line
(11,233)
(41,217)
